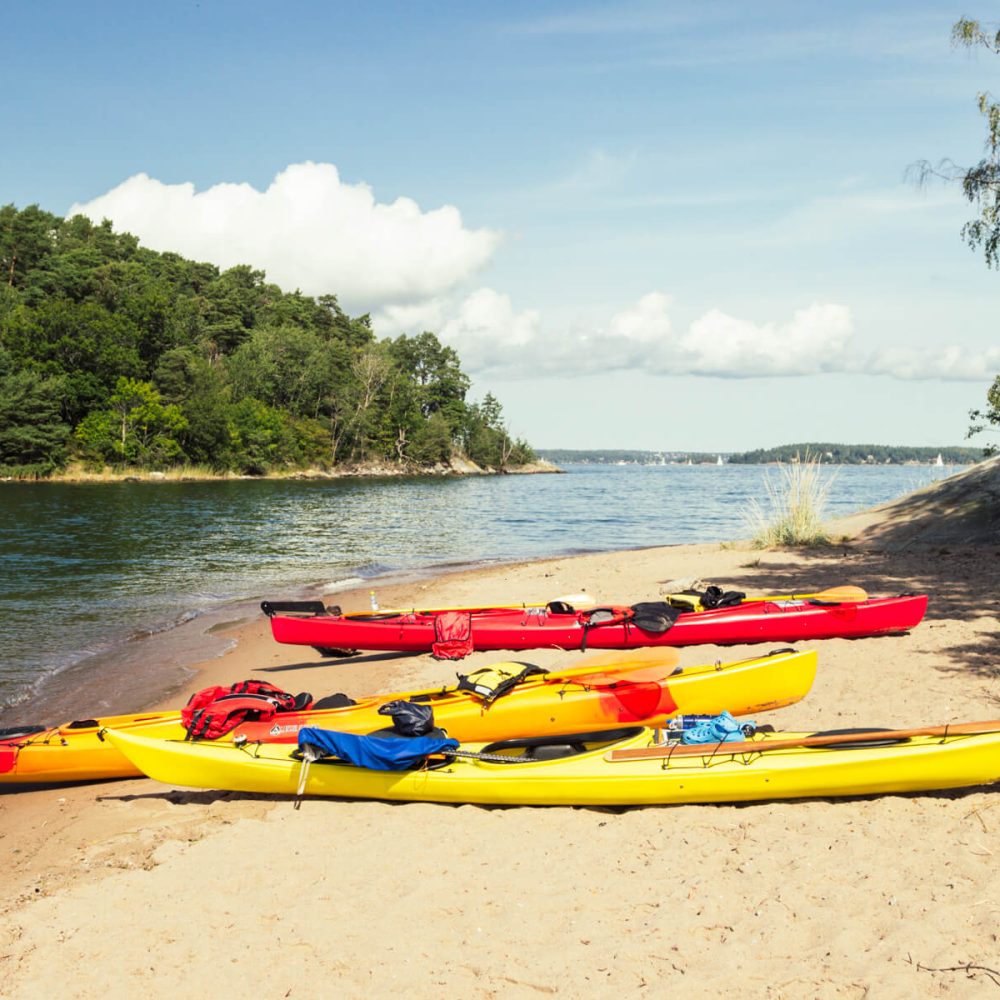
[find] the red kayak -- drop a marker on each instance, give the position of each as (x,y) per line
(453,633)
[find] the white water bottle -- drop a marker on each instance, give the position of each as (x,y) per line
(371,594)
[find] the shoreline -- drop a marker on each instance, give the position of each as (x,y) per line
(458,467)
(193,640)
(809,898)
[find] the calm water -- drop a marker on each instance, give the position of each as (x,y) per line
(87,570)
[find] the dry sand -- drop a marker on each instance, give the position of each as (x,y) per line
(132,888)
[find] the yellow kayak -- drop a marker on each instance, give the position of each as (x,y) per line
(623,767)
(612,689)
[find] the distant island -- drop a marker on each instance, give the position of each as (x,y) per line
(825,453)
(119,360)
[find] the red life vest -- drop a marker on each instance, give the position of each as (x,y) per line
(215,711)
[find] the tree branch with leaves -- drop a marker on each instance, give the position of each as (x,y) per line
(980,184)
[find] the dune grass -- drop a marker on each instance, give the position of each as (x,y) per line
(78,472)
(796,503)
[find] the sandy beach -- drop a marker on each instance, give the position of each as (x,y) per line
(133,888)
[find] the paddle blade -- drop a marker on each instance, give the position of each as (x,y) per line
(848,594)
(842,595)
(636,675)
(661,661)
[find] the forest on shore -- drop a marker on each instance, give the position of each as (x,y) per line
(859,454)
(828,454)
(115,356)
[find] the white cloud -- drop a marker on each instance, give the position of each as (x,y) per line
(493,338)
(646,322)
(816,339)
(411,318)
(489,335)
(308,230)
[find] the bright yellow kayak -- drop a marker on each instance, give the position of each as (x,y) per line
(625,767)
(613,689)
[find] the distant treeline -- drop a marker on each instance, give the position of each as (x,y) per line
(833,454)
(115,355)
(857,454)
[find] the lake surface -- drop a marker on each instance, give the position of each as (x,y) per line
(89,572)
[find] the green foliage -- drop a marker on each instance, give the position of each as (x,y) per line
(137,428)
(981,186)
(981,183)
(149,359)
(32,434)
(988,416)
(259,438)
(487,441)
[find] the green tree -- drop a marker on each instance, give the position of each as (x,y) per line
(26,242)
(186,379)
(430,441)
(437,373)
(487,440)
(258,437)
(85,344)
(32,434)
(231,304)
(981,186)
(136,428)
(988,417)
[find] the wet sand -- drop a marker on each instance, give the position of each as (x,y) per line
(134,888)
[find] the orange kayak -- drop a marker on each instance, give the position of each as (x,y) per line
(635,691)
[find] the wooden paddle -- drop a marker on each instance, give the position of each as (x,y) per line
(725,749)
(847,594)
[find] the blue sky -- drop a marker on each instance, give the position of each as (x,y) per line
(654,225)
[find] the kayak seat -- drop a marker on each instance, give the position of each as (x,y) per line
(311,608)
(537,744)
(338,700)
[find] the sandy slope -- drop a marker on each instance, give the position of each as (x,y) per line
(133,888)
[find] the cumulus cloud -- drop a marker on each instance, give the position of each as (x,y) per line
(309,230)
(493,338)
(816,339)
(646,322)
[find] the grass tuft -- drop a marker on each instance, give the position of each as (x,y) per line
(795,508)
